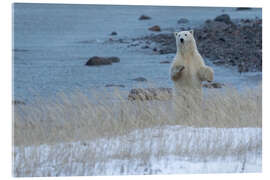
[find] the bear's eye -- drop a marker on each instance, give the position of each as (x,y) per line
(185,34)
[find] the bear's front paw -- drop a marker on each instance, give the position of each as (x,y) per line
(206,74)
(176,72)
(180,68)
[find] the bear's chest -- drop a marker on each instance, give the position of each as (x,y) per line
(189,74)
(191,68)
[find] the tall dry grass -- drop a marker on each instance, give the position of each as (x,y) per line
(76,117)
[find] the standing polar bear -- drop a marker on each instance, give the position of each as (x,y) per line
(188,69)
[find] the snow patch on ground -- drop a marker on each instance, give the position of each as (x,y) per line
(160,150)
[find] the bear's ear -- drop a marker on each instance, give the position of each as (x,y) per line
(191,32)
(175,33)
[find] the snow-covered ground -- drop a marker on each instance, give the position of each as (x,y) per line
(159,150)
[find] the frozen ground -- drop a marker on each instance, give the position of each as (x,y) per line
(160,150)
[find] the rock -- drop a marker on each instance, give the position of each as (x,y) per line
(20,50)
(97,61)
(144,17)
(18,102)
(145,47)
(224,18)
(208,21)
(154,28)
(140,79)
(115,85)
(243,8)
(165,62)
(113,33)
(222,39)
(154,49)
(182,21)
(213,85)
(150,94)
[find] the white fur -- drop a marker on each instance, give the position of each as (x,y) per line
(194,70)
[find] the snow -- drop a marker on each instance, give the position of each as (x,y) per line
(160,150)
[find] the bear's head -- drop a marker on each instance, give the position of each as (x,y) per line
(185,41)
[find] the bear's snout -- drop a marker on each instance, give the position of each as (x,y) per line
(181,40)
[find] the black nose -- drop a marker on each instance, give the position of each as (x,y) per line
(182,40)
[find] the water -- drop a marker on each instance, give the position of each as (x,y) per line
(49,55)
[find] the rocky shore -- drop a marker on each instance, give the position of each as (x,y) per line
(222,40)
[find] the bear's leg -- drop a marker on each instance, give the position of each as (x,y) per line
(206,73)
(176,72)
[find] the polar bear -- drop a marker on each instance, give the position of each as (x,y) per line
(188,69)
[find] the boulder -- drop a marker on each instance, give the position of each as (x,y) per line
(113,33)
(224,18)
(243,8)
(213,85)
(18,102)
(97,61)
(150,94)
(139,79)
(182,21)
(165,62)
(20,50)
(145,47)
(155,28)
(115,85)
(144,17)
